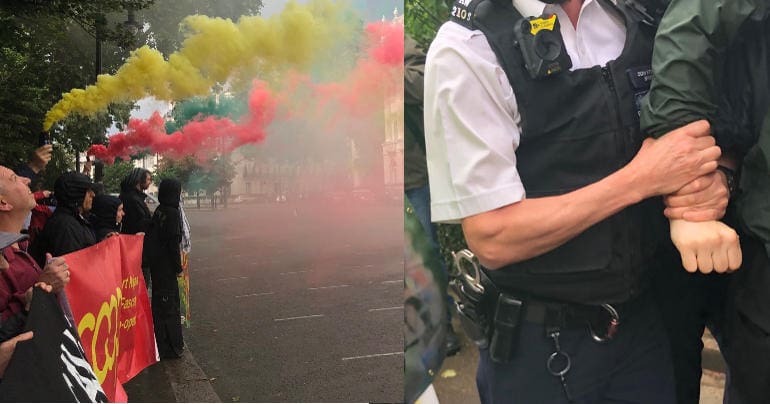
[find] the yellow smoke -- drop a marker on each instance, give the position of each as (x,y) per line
(214,49)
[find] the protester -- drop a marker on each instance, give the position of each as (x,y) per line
(132,193)
(68,229)
(106,216)
(37,163)
(163,256)
(543,163)
(42,211)
(415,167)
(137,213)
(723,75)
(19,273)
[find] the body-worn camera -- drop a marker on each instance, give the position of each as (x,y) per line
(542,46)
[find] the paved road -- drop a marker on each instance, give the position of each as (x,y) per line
(299,301)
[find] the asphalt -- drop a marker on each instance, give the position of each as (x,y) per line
(291,302)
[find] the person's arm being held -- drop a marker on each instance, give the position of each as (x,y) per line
(682,90)
(532,227)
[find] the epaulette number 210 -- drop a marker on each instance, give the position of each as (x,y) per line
(461,13)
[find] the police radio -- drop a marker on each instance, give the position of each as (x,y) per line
(542,46)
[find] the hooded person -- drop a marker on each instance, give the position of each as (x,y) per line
(137,214)
(68,229)
(132,194)
(163,256)
(106,216)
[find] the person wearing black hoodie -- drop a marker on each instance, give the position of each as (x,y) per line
(137,214)
(163,255)
(132,194)
(106,216)
(68,229)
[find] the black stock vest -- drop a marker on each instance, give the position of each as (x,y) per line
(577,128)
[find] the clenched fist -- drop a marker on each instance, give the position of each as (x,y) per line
(706,246)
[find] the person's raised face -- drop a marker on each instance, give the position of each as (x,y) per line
(120,214)
(88,201)
(14,192)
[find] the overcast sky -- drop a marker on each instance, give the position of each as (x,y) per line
(371,10)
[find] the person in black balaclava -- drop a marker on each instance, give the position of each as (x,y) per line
(68,229)
(163,256)
(106,216)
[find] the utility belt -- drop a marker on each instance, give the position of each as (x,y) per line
(492,318)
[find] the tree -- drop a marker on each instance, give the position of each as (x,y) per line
(46,49)
(114,174)
(164,18)
(422,18)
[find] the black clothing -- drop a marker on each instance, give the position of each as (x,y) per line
(578,127)
(163,256)
(66,231)
(103,215)
(138,215)
(169,193)
(70,190)
(137,218)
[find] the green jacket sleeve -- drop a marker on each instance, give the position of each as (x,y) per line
(414,69)
(415,165)
(690,38)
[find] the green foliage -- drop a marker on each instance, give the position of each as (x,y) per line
(46,49)
(114,174)
(181,170)
(165,16)
(422,18)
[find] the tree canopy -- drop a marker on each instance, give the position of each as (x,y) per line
(48,47)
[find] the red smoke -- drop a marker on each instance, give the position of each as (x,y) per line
(386,43)
(202,138)
(375,80)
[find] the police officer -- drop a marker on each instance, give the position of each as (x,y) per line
(533,141)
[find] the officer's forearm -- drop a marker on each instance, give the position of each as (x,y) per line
(535,226)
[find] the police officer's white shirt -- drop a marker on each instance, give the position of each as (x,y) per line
(472,122)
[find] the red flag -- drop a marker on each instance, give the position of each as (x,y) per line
(112,311)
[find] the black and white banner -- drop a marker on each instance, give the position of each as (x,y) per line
(51,367)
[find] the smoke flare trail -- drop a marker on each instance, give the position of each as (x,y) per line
(376,76)
(214,49)
(203,137)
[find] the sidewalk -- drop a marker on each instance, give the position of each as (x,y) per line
(172,381)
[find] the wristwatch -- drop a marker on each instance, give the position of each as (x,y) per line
(732,180)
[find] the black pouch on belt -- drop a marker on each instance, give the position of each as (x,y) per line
(505,331)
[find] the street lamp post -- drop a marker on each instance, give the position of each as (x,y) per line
(101,22)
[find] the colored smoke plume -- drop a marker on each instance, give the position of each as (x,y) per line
(376,77)
(213,50)
(202,137)
(344,107)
